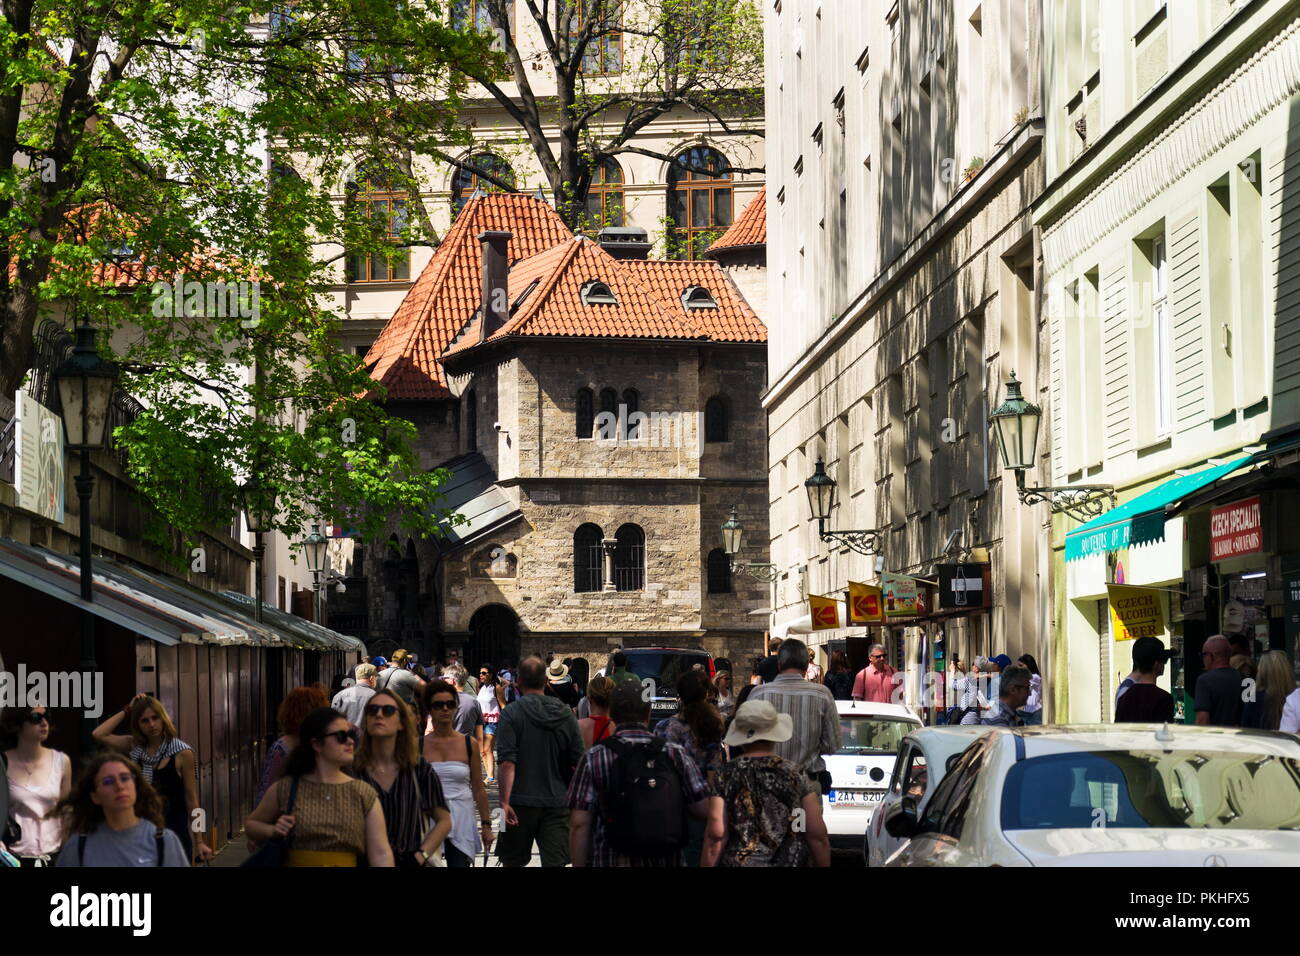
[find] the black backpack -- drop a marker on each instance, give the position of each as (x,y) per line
(645,810)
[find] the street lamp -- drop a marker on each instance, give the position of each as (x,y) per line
(258,517)
(821,498)
(85,383)
(1016,423)
(314,547)
(732,531)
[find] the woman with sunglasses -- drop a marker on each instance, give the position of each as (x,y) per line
(113,817)
(166,760)
(336,819)
(388,759)
(457,763)
(491,700)
(39,777)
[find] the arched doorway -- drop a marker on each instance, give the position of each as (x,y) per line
(493,637)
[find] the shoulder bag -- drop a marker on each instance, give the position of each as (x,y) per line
(275,851)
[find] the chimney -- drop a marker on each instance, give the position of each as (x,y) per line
(625,242)
(495,305)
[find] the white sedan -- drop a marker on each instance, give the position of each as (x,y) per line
(1111,795)
(920,768)
(870,737)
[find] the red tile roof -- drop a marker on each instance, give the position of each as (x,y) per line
(405,356)
(749,230)
(648,293)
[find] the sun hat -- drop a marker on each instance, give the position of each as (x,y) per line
(557,673)
(758,720)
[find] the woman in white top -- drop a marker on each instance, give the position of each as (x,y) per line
(456,762)
(1032,712)
(491,698)
(39,777)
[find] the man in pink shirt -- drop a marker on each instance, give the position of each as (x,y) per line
(875,682)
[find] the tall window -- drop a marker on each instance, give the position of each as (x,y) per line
(382,201)
(464,182)
(632,399)
(1160,327)
(604,52)
(588,563)
(478,14)
(715,419)
(605,197)
(699,200)
(719,572)
(608,403)
(586,414)
(629,559)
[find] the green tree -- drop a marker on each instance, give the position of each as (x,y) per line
(135,140)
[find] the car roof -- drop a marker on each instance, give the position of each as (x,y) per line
(867,708)
(1043,740)
(675,650)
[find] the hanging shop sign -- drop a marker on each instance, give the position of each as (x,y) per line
(1236,529)
(38,458)
(964,586)
(1134,612)
(901,596)
(824,611)
(866,605)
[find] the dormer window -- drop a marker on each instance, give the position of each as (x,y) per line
(698,297)
(596,292)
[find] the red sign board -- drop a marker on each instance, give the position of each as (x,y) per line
(826,616)
(1236,529)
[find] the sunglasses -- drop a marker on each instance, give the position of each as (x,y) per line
(35,718)
(374,710)
(342,736)
(443,705)
(877,657)
(482,673)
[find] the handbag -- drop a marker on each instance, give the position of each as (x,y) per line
(275,851)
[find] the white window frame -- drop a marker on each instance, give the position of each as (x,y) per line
(1162,345)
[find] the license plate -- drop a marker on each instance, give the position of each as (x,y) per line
(854,798)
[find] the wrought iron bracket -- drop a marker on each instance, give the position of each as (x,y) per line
(1082,502)
(863,541)
(757,569)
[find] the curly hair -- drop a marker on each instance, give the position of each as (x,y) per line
(697,712)
(407,751)
(80,814)
(297,704)
(435,687)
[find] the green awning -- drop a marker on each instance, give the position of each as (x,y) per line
(1142,520)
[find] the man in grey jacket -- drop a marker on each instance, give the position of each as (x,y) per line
(538,747)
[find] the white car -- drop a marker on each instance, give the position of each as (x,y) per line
(1111,795)
(920,768)
(870,737)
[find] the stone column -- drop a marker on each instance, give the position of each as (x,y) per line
(609,544)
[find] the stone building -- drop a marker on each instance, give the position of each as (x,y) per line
(1169,250)
(599,414)
(903,154)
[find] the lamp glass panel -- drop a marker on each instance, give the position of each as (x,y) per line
(731,539)
(72,391)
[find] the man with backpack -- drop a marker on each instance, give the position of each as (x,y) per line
(538,745)
(632,793)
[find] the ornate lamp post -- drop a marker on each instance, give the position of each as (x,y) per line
(732,531)
(1016,423)
(258,517)
(821,499)
(314,547)
(85,382)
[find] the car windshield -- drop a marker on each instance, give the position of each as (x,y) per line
(663,667)
(1134,789)
(873,735)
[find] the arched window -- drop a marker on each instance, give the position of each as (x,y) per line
(464,181)
(377,196)
(595,292)
(605,196)
(699,200)
(632,399)
(719,572)
(586,415)
(588,562)
(471,421)
(715,419)
(629,559)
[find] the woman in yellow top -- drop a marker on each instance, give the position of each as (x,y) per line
(336,818)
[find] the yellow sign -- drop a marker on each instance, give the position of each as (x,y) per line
(865,604)
(825,612)
(1134,612)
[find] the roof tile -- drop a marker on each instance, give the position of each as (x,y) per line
(749,230)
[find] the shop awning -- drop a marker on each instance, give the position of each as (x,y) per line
(1142,520)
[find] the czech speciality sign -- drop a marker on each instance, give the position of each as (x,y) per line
(824,611)
(900,595)
(1134,612)
(963,586)
(865,604)
(38,458)
(1236,529)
